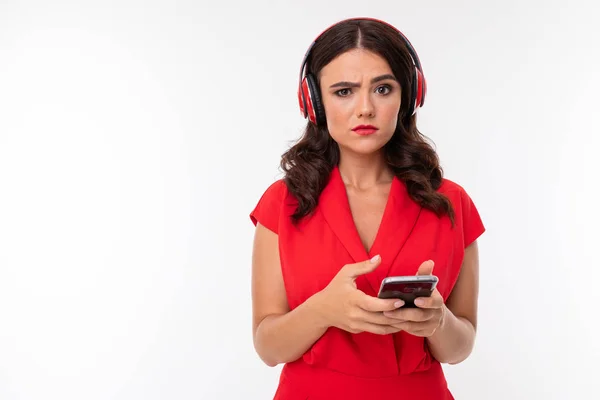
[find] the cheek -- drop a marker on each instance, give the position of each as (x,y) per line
(338,114)
(392,121)
(390,116)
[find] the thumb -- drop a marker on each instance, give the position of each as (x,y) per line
(364,267)
(426,268)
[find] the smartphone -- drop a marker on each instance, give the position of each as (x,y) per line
(407,288)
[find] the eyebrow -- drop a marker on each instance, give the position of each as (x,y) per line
(354,84)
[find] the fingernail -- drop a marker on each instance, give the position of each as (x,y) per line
(375,259)
(419,302)
(398,304)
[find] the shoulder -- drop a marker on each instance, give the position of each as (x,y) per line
(276,190)
(268,209)
(466,212)
(450,187)
(455,192)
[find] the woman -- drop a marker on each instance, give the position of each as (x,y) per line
(363,198)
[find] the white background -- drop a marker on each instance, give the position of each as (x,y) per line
(136,137)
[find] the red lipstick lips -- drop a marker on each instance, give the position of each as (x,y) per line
(365,129)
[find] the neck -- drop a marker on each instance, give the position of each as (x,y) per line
(364,171)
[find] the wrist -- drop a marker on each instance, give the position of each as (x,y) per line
(443,323)
(316,306)
(444,317)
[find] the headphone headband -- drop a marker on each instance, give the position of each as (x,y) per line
(309,89)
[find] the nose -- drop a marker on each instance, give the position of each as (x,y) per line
(365,107)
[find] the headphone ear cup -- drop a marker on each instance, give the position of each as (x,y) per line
(422,89)
(306,96)
(413,94)
(301,96)
(315,100)
(418,92)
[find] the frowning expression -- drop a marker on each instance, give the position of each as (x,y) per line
(361,97)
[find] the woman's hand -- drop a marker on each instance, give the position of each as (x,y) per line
(344,306)
(427,317)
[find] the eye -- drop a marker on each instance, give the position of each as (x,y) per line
(384,89)
(343,92)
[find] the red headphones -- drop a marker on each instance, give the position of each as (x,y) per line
(309,97)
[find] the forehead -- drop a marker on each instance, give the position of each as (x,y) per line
(354,65)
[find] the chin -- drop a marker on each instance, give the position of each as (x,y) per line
(365,147)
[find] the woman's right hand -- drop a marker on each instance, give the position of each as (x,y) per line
(346,307)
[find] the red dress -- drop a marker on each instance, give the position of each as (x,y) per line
(342,365)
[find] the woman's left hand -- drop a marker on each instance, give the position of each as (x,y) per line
(427,317)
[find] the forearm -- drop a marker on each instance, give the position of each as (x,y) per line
(453,341)
(285,338)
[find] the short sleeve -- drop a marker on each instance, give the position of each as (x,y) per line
(268,208)
(471,220)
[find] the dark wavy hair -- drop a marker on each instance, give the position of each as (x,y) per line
(308,164)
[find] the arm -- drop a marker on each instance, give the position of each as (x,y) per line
(454,339)
(280,335)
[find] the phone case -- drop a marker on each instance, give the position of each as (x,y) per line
(407,288)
